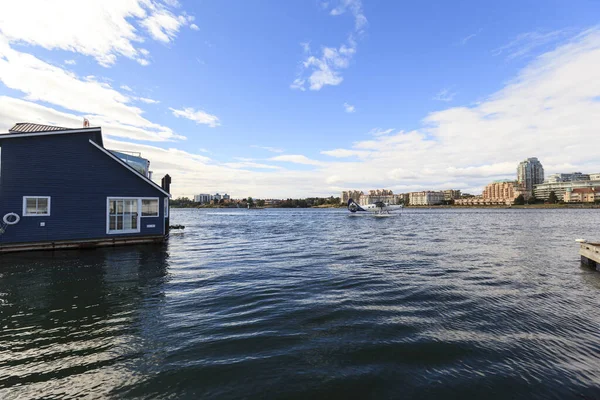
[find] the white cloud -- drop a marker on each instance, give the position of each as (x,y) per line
(125,87)
(355,7)
(296,159)
(88,96)
(101,29)
(469,37)
(198,116)
(343,153)
(70,62)
(251,165)
(194,27)
(271,149)
(550,111)
(15,110)
(147,100)
(349,108)
(380,132)
(444,95)
(163,25)
(326,69)
(526,43)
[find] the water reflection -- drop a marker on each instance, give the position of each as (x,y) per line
(312,304)
(69,318)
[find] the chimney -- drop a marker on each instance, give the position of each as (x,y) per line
(165,183)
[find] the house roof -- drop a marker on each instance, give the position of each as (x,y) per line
(28,127)
(584,190)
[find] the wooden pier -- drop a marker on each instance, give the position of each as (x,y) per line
(590,255)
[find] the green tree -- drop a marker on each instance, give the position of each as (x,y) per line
(260,203)
(552,198)
(519,201)
(531,200)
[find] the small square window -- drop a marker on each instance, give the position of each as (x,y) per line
(149,207)
(34,206)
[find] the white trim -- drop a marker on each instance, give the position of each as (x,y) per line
(17,135)
(157,207)
(117,159)
(35,197)
(166,208)
(139,216)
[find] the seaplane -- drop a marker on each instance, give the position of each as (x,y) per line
(379,207)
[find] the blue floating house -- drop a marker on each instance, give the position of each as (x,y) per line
(61,188)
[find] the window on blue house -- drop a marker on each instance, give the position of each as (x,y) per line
(36,206)
(149,207)
(123,215)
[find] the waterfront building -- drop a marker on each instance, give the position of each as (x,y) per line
(226,197)
(470,201)
(203,198)
(595,177)
(61,188)
(530,173)
(217,197)
(351,194)
(582,195)
(385,195)
(426,198)
(575,176)
(451,194)
(542,191)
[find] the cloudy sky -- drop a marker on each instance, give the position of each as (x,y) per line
(301,98)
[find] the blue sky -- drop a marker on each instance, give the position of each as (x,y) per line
(303,98)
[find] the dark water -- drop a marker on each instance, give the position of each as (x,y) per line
(313,304)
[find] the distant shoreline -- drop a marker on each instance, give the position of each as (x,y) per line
(541,206)
(526,206)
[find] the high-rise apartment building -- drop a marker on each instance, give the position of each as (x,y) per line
(202,198)
(529,173)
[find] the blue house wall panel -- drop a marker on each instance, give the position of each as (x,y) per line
(78,177)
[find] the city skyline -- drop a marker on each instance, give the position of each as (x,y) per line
(297,99)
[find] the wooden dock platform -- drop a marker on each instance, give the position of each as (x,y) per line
(590,255)
(81,244)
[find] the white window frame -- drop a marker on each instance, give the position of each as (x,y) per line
(166,205)
(139,217)
(157,207)
(25,214)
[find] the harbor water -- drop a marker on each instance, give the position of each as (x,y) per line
(312,304)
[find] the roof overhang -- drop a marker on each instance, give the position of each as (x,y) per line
(95,129)
(22,135)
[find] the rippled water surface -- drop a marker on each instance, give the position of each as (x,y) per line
(434,304)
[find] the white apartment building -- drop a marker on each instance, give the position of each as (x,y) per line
(426,198)
(203,198)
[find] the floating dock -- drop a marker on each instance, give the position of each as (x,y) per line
(590,255)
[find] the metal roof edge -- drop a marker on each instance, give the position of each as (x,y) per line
(10,135)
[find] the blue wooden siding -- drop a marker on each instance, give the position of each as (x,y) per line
(78,177)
